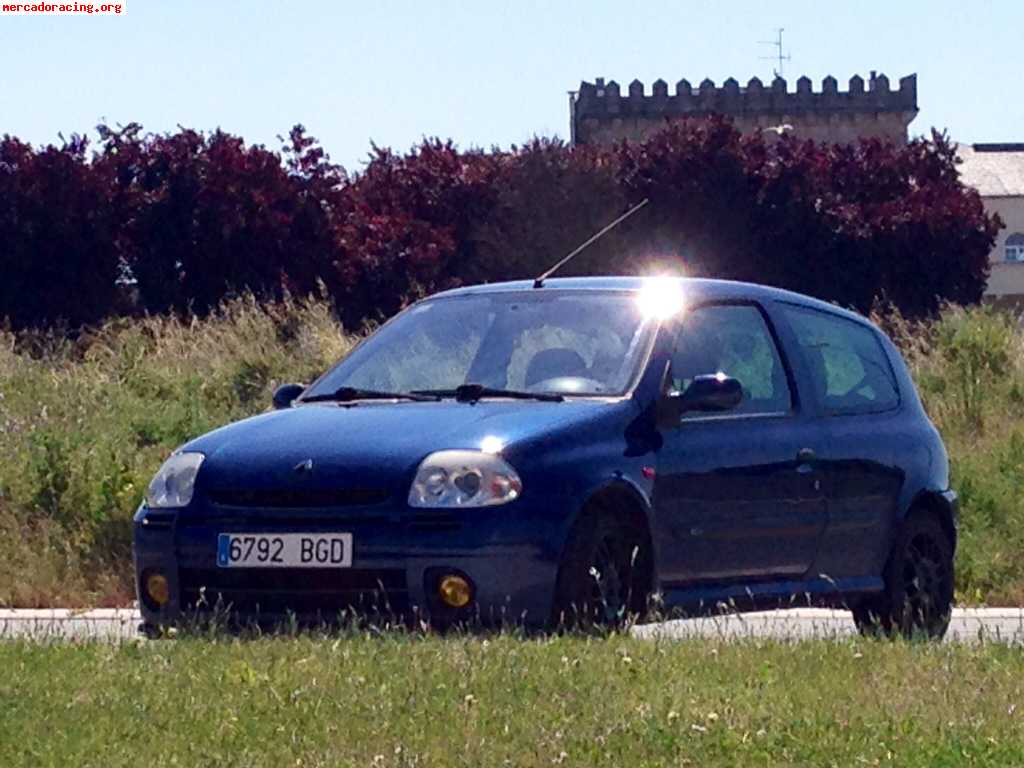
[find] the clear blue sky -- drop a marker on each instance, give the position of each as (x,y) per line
(482,73)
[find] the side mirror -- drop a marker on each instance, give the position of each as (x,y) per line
(709,393)
(286,394)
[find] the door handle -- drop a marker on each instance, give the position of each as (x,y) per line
(805,456)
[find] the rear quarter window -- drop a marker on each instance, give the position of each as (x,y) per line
(849,369)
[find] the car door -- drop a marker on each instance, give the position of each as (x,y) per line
(737,494)
(857,400)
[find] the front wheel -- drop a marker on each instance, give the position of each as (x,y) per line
(605,575)
(918,595)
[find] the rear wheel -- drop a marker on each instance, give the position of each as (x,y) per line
(605,575)
(918,595)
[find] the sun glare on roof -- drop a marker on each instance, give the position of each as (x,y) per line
(661,297)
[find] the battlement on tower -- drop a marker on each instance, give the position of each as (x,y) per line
(602,112)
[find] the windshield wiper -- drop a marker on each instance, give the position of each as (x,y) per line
(470,393)
(348,394)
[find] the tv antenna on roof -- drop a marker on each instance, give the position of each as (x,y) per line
(778,56)
(539,282)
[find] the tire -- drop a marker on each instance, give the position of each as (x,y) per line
(150,631)
(918,597)
(604,579)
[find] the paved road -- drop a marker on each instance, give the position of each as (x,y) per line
(968,625)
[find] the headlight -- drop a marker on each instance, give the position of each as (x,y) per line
(174,483)
(464,479)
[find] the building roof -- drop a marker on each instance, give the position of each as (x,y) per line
(995,170)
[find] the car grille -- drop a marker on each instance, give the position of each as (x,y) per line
(323,592)
(432,521)
(298,498)
(280,521)
(272,519)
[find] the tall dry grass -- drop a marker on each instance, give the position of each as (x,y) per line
(84,424)
(969,370)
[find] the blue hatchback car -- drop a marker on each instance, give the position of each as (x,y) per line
(571,451)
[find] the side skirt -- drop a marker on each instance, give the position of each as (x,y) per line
(729,598)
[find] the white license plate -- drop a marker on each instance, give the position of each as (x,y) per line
(284,550)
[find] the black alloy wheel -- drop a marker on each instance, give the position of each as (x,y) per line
(918,596)
(605,575)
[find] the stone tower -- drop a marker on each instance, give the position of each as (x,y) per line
(600,114)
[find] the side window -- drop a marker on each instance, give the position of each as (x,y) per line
(733,339)
(850,371)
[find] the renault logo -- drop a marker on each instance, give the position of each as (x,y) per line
(304,467)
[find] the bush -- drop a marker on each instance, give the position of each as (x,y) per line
(59,259)
(548,200)
(206,217)
(188,219)
(404,227)
(846,223)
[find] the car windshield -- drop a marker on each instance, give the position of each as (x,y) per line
(583,343)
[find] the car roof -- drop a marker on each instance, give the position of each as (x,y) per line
(701,289)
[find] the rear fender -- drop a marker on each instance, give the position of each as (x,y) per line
(944,505)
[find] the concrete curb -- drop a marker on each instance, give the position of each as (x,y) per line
(968,625)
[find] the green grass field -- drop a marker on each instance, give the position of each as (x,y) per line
(407,700)
(85,424)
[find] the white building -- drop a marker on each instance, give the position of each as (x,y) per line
(997,172)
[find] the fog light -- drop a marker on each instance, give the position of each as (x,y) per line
(157,588)
(455,591)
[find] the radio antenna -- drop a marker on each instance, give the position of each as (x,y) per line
(539,282)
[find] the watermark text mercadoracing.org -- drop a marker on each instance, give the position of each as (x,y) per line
(62,9)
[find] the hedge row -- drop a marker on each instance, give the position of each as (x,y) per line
(177,222)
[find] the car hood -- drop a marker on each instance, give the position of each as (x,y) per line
(367,445)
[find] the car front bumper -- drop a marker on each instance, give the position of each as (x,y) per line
(509,555)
